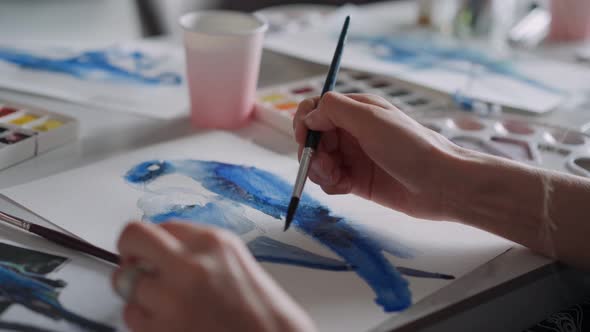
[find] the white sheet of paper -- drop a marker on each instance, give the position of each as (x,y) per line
(522,82)
(86,291)
(95,202)
(145,78)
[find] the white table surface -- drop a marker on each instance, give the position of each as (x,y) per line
(491,298)
(102,20)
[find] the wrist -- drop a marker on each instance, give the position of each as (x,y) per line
(486,191)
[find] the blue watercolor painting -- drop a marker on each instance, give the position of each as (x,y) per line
(229,189)
(110,64)
(423,53)
(23,281)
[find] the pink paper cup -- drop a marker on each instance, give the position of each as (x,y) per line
(570,20)
(223,51)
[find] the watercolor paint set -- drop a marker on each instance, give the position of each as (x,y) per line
(506,135)
(514,137)
(277,105)
(27,131)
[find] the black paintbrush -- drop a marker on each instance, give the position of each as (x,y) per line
(60,238)
(313,137)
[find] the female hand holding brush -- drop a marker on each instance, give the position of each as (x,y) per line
(372,149)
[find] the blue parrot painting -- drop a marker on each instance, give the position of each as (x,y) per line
(227,189)
(100,64)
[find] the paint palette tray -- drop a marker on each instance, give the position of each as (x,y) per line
(514,137)
(26,132)
(509,136)
(277,105)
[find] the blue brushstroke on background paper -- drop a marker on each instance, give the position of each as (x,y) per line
(235,187)
(99,65)
(427,53)
(40,294)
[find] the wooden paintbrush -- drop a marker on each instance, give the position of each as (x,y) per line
(60,238)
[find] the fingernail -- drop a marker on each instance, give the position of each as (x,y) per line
(317,168)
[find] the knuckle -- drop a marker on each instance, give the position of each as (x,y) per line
(197,272)
(330,97)
(376,113)
(306,105)
(216,239)
(378,99)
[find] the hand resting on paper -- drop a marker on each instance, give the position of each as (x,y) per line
(203,279)
(372,149)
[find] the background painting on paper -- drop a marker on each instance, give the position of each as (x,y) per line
(434,61)
(24,281)
(140,77)
(348,261)
(110,64)
(424,52)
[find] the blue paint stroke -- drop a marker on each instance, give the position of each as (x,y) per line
(425,53)
(273,251)
(423,274)
(39,294)
(234,186)
(95,65)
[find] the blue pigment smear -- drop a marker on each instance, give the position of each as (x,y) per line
(423,274)
(269,194)
(420,54)
(38,294)
(95,65)
(266,250)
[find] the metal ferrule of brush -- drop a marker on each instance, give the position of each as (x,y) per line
(15,221)
(303,170)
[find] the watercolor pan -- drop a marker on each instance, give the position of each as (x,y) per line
(14,137)
(28,131)
(275,104)
(5,111)
(24,119)
(514,137)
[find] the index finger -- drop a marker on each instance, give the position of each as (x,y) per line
(303,109)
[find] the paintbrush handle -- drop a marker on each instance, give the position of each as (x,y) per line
(313,137)
(74,243)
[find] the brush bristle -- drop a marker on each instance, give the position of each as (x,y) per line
(291,212)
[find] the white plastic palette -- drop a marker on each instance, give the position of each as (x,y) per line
(515,138)
(277,105)
(26,132)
